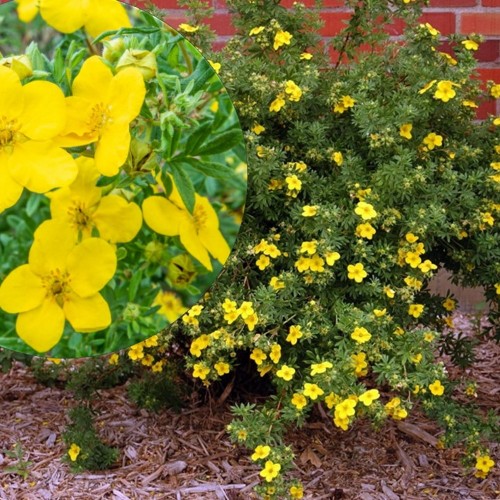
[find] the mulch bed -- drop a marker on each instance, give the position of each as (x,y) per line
(188,455)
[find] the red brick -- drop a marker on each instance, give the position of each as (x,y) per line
(445,22)
(491,3)
(167,4)
(395,28)
(490,74)
(485,109)
(486,23)
(221,24)
(333,22)
(311,3)
(454,3)
(174,21)
(489,51)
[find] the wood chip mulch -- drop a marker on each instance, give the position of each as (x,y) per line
(188,455)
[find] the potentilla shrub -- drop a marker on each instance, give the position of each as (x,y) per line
(365,178)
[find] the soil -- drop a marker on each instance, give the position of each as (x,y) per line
(188,455)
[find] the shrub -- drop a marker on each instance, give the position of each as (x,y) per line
(365,178)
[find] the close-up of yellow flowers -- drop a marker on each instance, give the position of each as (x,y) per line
(61,282)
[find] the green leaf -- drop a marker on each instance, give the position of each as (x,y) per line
(184,185)
(211,169)
(223,142)
(134,285)
(198,137)
(199,76)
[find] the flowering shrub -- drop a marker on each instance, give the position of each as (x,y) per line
(123,177)
(366,178)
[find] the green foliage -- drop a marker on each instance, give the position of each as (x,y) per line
(22,466)
(93,453)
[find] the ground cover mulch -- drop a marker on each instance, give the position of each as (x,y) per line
(188,455)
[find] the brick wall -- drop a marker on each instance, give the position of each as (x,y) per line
(448,16)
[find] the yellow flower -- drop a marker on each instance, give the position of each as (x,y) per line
(251,321)
(361,335)
(136,352)
(332,257)
(147,360)
(258,355)
(293,90)
(74,451)
(143,60)
(338,158)
(21,64)
(200,371)
(277,104)
(303,264)
(296,491)
(293,183)
(320,367)
(198,344)
(331,400)
(405,130)
(215,65)
(368,397)
(413,259)
(286,372)
(417,358)
(312,391)
(398,331)
(262,262)
(365,210)
(96,16)
(436,388)
(100,111)
(31,116)
(309,210)
(113,359)
(61,282)
(275,354)
(299,401)
(308,247)
(347,101)
(427,266)
(365,230)
(415,310)
(469,104)
(272,250)
(389,292)
(484,463)
(258,129)
(432,140)
(449,304)
(199,232)
(427,87)
(445,90)
(470,44)
(170,305)
(305,56)
(360,364)
(256,30)
(345,408)
(433,31)
(262,451)
(295,333)
(378,313)
(270,471)
(188,28)
(151,342)
(356,272)
(221,368)
(157,367)
(281,38)
(495,91)
(83,209)
(413,282)
(411,238)
(276,283)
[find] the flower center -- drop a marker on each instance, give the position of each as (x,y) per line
(8,132)
(57,285)
(200,218)
(80,217)
(99,117)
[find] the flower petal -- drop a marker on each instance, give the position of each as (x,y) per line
(93,81)
(21,290)
(27,10)
(53,241)
(117,220)
(105,15)
(89,314)
(91,264)
(41,328)
(11,93)
(44,114)
(193,244)
(11,190)
(215,243)
(77,131)
(112,149)
(127,92)
(41,166)
(67,16)
(162,216)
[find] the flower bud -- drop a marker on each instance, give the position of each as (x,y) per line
(131,312)
(113,49)
(154,252)
(20,64)
(143,60)
(181,271)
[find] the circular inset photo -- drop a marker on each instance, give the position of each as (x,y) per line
(122,176)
